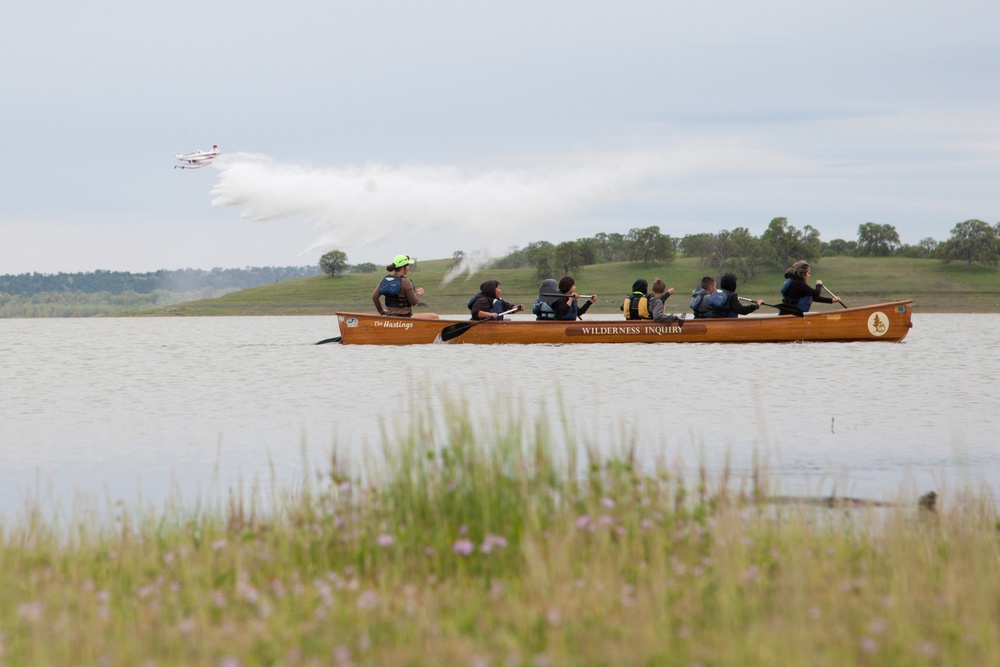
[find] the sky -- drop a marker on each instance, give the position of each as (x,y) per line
(425,128)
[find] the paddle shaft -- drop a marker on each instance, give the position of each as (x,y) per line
(456,330)
(579,296)
(832,294)
(782,307)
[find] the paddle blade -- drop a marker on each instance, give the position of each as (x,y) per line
(456,330)
(335,339)
(786,309)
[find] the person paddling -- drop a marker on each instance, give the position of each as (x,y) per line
(796,292)
(567,307)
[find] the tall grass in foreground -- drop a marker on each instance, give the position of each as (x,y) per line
(465,550)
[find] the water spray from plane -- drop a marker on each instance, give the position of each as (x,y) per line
(358,206)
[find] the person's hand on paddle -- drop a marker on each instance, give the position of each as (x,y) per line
(419,291)
(593,297)
(835,299)
(759,302)
(520,307)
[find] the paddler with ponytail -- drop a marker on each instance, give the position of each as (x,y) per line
(398,291)
(796,292)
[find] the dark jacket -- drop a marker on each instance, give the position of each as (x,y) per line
(487,301)
(796,292)
(566,312)
(733,307)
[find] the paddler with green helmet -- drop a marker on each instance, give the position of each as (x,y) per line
(398,291)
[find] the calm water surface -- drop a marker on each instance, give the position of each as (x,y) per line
(146,409)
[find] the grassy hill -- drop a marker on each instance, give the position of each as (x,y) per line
(933,286)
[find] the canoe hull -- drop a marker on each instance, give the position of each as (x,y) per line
(887,322)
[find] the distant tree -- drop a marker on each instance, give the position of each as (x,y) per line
(877,240)
(649,245)
(456,258)
(972,241)
(748,254)
(566,257)
(333,262)
(929,246)
(364,267)
(697,245)
(838,247)
(720,249)
(541,256)
(589,251)
(612,247)
(787,244)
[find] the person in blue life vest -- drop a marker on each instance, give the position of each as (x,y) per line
(699,297)
(796,292)
(487,305)
(725,302)
(398,291)
(548,292)
(568,306)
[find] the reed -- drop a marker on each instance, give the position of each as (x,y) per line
(475,541)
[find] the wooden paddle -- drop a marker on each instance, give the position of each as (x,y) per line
(783,308)
(579,296)
(833,295)
(456,330)
(335,339)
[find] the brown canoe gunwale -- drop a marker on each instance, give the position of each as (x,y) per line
(884,322)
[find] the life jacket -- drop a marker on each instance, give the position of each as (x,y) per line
(718,304)
(391,287)
(498,305)
(636,307)
(804,303)
(543,310)
(699,303)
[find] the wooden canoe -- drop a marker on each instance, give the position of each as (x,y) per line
(880,322)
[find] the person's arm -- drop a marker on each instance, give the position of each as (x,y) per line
(376,300)
(406,285)
(739,308)
(799,289)
(482,309)
(584,308)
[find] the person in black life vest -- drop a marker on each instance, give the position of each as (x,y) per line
(796,292)
(642,306)
(725,302)
(398,291)
(568,307)
(487,305)
(636,305)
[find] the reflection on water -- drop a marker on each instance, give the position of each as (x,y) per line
(153,407)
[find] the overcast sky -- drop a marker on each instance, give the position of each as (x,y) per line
(424,128)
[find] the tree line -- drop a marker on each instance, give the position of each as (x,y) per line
(106,292)
(120,282)
(739,251)
(736,250)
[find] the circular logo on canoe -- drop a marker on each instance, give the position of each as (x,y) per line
(878,324)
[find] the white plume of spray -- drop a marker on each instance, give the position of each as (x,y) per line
(358,206)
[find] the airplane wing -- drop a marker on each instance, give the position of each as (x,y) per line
(197,158)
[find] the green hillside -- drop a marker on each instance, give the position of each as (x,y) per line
(933,286)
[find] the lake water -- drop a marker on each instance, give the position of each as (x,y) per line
(143,410)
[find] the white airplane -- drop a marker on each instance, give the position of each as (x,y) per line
(196,159)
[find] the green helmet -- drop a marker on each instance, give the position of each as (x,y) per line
(402,260)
